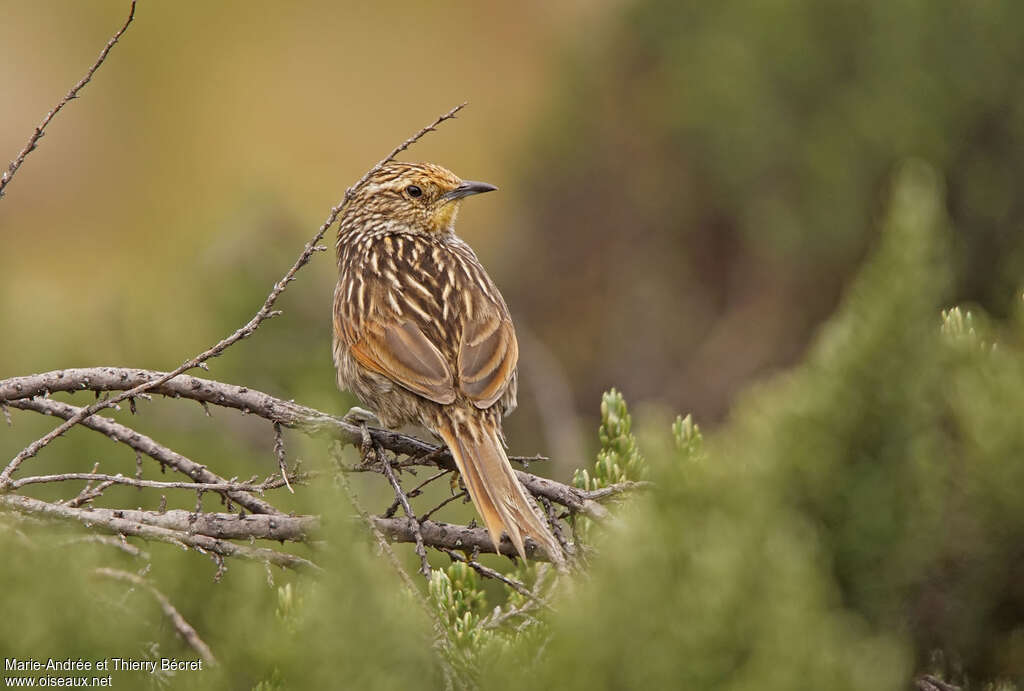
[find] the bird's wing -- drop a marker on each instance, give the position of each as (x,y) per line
(401,352)
(488,355)
(389,340)
(416,330)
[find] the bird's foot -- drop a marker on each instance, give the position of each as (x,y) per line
(361,416)
(455,483)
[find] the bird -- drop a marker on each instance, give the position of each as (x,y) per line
(423,336)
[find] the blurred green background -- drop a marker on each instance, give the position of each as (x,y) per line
(688,191)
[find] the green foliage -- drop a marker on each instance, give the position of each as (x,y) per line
(457,595)
(858,512)
(688,438)
(718,168)
(619,459)
(458,602)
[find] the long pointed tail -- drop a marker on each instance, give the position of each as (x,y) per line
(494,488)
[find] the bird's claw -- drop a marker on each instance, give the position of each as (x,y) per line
(455,483)
(361,416)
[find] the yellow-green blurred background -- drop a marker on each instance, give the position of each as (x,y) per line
(685,189)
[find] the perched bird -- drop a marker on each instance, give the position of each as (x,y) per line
(422,335)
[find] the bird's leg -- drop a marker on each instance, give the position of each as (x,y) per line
(366,445)
(362,417)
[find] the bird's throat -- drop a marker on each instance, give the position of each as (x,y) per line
(443,220)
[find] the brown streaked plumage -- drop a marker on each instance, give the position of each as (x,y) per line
(422,335)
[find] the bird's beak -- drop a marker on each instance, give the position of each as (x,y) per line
(467,188)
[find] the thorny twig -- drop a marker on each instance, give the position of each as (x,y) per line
(182,626)
(148,446)
(414,492)
(448,500)
(282,462)
(38,132)
(120,525)
(441,638)
(421,551)
(488,572)
(119,479)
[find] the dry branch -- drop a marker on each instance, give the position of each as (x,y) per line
(308,420)
(451,536)
(146,445)
(106,520)
(120,479)
(223,526)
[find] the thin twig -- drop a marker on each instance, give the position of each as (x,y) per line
(488,572)
(498,617)
(617,488)
(415,491)
(118,542)
(37,134)
(552,517)
(443,504)
(440,632)
(282,462)
(400,495)
(182,626)
(119,479)
(263,313)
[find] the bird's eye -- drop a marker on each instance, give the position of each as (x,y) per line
(413,191)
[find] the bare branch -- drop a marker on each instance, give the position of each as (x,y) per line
(617,488)
(440,632)
(263,313)
(450,536)
(183,628)
(289,414)
(148,446)
(100,519)
(927,682)
(37,134)
(120,479)
(223,526)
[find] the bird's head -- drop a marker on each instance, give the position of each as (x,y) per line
(421,196)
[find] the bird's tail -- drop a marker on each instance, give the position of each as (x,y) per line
(493,486)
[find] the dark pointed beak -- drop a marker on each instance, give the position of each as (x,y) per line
(467,188)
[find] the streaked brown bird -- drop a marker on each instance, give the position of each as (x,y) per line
(422,335)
